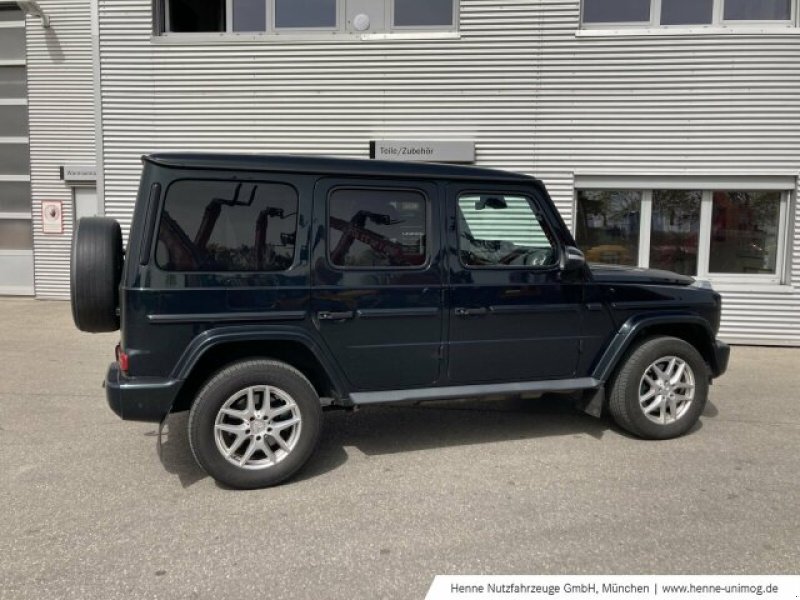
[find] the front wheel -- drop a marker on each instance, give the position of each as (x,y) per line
(255,423)
(661,390)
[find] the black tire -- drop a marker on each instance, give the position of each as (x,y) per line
(95,272)
(625,388)
(227,383)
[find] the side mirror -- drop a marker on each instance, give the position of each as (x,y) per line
(573,259)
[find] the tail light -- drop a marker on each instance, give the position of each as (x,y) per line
(122,359)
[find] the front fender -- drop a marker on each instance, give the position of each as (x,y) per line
(633,327)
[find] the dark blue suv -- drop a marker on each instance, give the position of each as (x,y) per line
(257,290)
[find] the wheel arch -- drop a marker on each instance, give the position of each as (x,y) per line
(213,351)
(691,328)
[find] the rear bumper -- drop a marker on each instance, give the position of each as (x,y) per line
(139,398)
(722,354)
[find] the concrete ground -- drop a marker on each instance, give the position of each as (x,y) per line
(94,507)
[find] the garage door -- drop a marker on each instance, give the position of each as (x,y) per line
(16,237)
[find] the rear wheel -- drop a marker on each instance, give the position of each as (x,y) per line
(661,389)
(255,423)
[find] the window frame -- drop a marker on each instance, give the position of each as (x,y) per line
(717,20)
(162,206)
(161,26)
(380,188)
(547,229)
(779,277)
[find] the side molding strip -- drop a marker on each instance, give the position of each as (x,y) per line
(471,391)
(242,317)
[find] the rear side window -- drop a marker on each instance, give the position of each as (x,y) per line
(371,228)
(213,226)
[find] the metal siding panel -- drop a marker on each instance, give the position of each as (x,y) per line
(61,109)
(535,97)
(701,104)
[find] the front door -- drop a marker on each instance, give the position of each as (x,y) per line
(377,281)
(512,317)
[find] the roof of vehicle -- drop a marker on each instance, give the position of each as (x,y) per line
(330,166)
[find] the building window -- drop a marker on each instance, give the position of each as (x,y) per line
(305,14)
(371,229)
(303,17)
(220,226)
(423,13)
(189,16)
(608,225)
(646,13)
(723,234)
(616,11)
(745,231)
(758,10)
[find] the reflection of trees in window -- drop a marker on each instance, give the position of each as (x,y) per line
(744,232)
(675,229)
(607,225)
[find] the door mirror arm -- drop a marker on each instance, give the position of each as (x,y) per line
(572,259)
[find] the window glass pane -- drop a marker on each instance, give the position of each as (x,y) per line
(305,13)
(616,11)
(423,13)
(607,225)
(11,13)
(12,43)
(249,15)
(15,234)
(224,226)
(744,232)
(687,12)
(13,120)
(377,228)
(12,82)
(501,230)
(758,10)
(675,229)
(14,159)
(15,196)
(196,15)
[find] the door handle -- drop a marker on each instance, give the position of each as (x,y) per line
(471,312)
(335,316)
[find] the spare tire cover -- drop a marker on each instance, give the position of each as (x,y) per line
(95,273)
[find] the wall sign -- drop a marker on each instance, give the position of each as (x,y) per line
(79,173)
(52,216)
(423,150)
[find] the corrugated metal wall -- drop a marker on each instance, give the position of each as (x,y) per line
(61,104)
(535,96)
(701,104)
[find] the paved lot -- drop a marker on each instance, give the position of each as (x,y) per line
(91,508)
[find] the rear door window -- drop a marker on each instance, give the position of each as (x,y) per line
(213,226)
(377,228)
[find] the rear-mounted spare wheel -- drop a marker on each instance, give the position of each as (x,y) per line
(95,273)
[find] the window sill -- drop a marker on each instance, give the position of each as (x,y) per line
(712,30)
(188,39)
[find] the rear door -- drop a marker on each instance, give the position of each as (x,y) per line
(512,317)
(377,281)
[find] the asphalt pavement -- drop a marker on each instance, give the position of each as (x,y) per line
(95,507)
